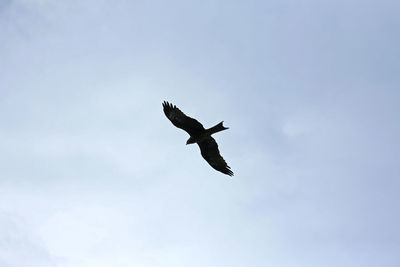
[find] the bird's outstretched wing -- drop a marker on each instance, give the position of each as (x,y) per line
(209,151)
(180,120)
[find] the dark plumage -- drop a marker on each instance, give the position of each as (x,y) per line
(200,135)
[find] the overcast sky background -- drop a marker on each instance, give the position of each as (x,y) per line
(93,174)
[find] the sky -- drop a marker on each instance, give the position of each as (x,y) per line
(93,174)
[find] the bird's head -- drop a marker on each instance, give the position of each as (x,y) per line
(190,141)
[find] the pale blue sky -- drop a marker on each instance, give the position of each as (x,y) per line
(93,174)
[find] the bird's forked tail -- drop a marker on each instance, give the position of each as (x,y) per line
(217,128)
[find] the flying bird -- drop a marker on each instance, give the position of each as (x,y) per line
(200,135)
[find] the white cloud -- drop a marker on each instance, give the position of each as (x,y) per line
(18,244)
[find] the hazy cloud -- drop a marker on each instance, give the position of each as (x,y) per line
(93,174)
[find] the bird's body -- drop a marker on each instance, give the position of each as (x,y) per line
(200,135)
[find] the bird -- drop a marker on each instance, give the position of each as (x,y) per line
(200,135)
